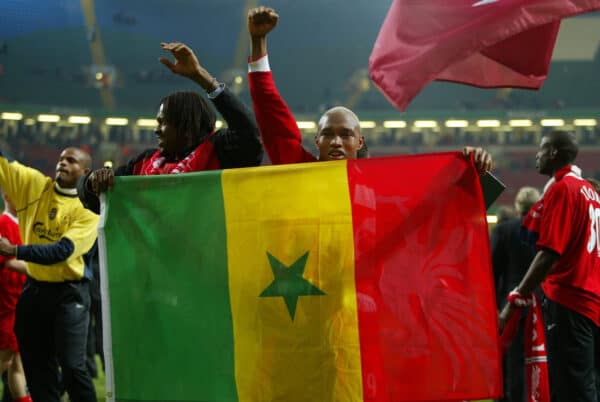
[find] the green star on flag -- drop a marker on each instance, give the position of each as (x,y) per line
(289,282)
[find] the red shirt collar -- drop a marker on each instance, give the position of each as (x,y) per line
(560,173)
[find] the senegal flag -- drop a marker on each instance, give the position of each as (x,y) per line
(344,281)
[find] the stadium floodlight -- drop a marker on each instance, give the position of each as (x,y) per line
(151,123)
(367,124)
(520,123)
(394,124)
(79,119)
(425,124)
(488,123)
(116,121)
(456,123)
(306,125)
(585,122)
(218,124)
(552,122)
(48,118)
(11,116)
(492,219)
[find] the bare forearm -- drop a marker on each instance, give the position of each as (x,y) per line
(540,267)
(205,80)
(259,46)
(17,266)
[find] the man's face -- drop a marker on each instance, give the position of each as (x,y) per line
(166,134)
(339,137)
(70,167)
(544,157)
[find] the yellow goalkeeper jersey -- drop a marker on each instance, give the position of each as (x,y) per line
(48,213)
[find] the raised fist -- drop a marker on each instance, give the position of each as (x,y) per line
(261,21)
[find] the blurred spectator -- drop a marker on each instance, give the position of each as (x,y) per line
(510,259)
(595,183)
(504,213)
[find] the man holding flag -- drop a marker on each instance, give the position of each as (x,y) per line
(339,135)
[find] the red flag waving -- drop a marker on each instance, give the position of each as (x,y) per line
(485,43)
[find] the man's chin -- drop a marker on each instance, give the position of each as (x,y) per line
(63,183)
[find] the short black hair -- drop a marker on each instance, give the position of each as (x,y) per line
(565,145)
(190,114)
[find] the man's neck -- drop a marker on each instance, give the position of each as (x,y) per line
(65,190)
(559,168)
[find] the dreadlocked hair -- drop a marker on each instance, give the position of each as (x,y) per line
(190,114)
(565,145)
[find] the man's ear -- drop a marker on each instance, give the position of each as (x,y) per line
(361,141)
(87,170)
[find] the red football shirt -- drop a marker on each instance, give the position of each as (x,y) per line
(570,226)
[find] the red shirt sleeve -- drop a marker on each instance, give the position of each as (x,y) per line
(280,133)
(556,223)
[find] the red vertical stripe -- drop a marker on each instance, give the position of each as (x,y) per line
(426,309)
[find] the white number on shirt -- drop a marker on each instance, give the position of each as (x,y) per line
(594,241)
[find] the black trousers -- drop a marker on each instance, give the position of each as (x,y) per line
(572,354)
(51,326)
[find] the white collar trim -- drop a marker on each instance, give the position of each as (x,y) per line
(575,171)
(65,191)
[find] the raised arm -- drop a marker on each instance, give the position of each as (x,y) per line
(186,64)
(22,184)
(281,137)
(239,144)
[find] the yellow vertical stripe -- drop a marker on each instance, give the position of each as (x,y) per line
(288,211)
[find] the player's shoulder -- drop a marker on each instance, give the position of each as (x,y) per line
(8,224)
(572,184)
(567,183)
(569,188)
(79,211)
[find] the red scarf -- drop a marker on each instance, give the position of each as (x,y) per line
(536,361)
(197,160)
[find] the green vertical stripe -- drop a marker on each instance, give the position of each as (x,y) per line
(170,312)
